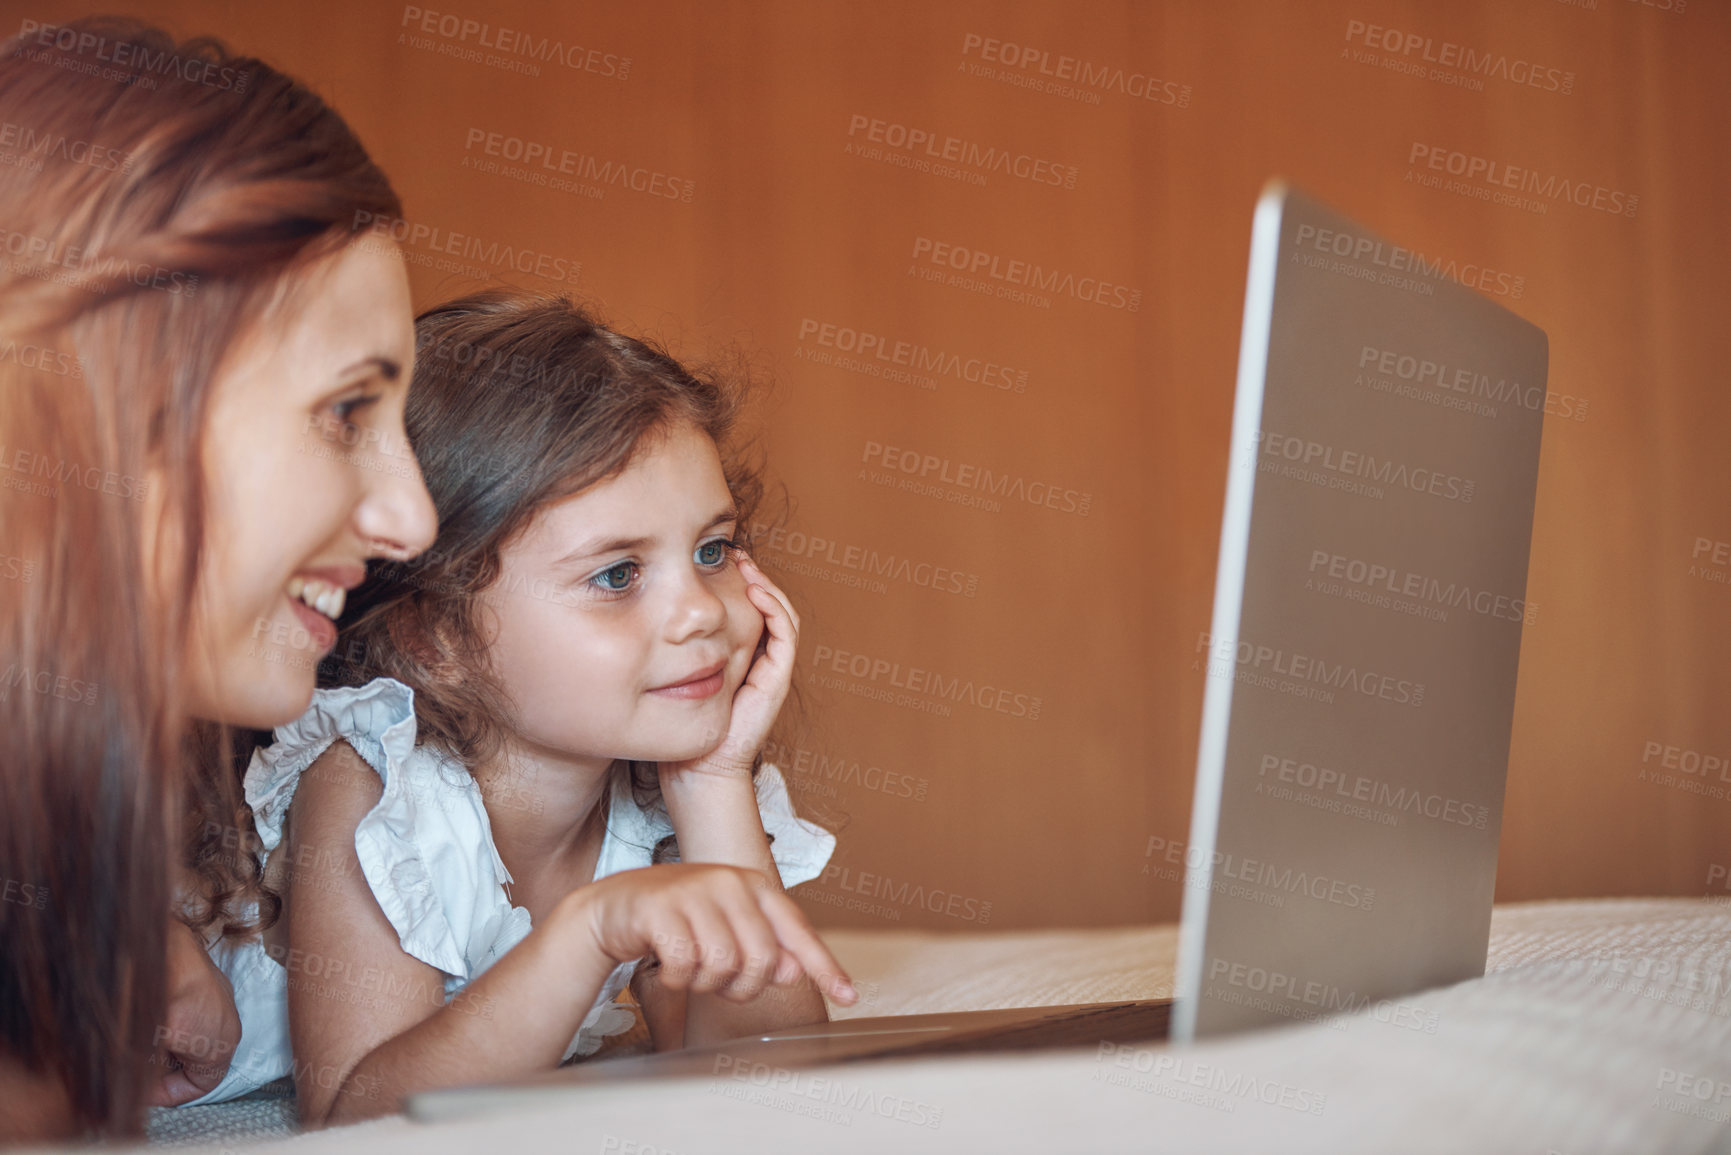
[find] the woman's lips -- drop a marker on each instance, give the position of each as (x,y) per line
(320,629)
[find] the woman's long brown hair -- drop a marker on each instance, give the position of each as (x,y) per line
(153,194)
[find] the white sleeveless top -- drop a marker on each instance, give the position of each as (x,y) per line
(427,853)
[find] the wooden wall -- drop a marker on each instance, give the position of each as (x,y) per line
(856,195)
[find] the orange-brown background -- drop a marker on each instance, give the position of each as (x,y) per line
(1048,819)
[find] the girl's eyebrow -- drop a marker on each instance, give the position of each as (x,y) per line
(593,548)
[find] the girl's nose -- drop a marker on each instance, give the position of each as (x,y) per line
(695,609)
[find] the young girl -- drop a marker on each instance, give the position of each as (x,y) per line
(579,675)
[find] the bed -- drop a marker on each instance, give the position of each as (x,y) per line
(1600,1026)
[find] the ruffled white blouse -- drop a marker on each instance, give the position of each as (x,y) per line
(428,855)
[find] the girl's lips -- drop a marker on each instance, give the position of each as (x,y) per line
(699,688)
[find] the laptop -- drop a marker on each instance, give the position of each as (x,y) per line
(1359,668)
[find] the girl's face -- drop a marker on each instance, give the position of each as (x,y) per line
(308,473)
(618,593)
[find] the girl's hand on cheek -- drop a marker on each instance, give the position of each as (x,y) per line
(760,696)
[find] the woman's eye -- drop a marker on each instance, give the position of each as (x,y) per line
(624,571)
(346,409)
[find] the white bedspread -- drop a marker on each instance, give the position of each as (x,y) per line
(1603,1026)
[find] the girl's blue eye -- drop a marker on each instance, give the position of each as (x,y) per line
(710,555)
(628,568)
(721,547)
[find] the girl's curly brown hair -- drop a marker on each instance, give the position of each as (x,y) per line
(519,400)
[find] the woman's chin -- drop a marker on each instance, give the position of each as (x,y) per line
(262,700)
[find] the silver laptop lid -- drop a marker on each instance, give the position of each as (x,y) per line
(1368,610)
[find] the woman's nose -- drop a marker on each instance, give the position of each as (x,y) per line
(397,515)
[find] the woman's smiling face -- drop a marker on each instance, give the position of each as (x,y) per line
(616,595)
(308,474)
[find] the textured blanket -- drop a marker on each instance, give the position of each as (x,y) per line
(1602,1026)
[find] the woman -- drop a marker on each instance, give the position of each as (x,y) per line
(202,379)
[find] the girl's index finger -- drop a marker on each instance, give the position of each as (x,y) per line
(800,940)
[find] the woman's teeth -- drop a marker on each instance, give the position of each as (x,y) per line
(322,596)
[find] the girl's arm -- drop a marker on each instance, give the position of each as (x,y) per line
(712,804)
(717,820)
(368,1022)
